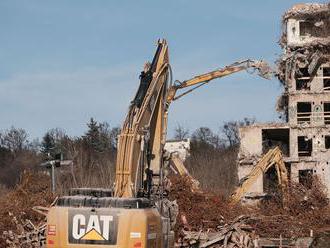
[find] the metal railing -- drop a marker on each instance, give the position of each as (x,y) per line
(304,153)
(325,88)
(308,117)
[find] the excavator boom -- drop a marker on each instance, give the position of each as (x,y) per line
(262,67)
(272,158)
(141,135)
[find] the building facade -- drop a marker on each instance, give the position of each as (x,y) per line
(304,134)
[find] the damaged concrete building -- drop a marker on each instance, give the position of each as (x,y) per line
(304,134)
(180,147)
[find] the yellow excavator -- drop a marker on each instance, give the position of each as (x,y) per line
(134,213)
(272,158)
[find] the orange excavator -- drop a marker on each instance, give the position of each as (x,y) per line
(134,213)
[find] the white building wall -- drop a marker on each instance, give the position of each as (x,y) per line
(250,141)
(257,186)
(181,147)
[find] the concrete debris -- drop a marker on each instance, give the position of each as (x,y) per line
(235,234)
(306,24)
(306,10)
(21,225)
(311,57)
(170,210)
(199,210)
(269,224)
(306,40)
(28,236)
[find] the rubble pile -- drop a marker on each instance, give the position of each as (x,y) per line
(200,210)
(301,211)
(28,236)
(205,219)
(208,220)
(235,234)
(20,225)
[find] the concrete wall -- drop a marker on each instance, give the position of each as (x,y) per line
(317,109)
(316,96)
(318,142)
(316,84)
(257,186)
(320,168)
(251,150)
(295,38)
(250,138)
(181,147)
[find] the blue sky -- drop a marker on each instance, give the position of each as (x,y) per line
(62,62)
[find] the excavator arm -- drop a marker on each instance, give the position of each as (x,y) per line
(179,168)
(272,158)
(141,138)
(263,70)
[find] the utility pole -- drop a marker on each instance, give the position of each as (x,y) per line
(52,164)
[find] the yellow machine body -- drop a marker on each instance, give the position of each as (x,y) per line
(131,226)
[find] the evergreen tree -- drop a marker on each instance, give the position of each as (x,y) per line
(52,141)
(47,144)
(92,137)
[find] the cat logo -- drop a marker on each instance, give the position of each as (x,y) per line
(86,227)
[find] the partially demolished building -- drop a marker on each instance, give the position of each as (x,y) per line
(304,71)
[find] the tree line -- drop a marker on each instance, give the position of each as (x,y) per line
(94,154)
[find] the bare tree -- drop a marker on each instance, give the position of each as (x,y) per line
(204,136)
(115,131)
(180,132)
(230,130)
(14,139)
(58,134)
